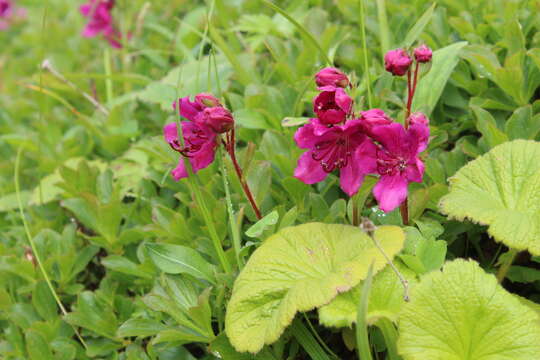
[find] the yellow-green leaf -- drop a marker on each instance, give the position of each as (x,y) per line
(298,269)
(462,313)
(501,189)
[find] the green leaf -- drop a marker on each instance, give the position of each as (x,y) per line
(177,259)
(385,299)
(95,314)
(488,127)
(362,337)
(125,266)
(431,86)
(43,301)
(419,26)
(307,341)
(140,327)
(463,313)
(37,346)
(223,348)
(522,125)
(501,189)
(298,269)
(260,226)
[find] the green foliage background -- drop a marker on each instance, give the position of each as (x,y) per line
(96,192)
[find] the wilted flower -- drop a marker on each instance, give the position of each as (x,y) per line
(397,161)
(423,54)
(341,147)
(199,146)
(397,62)
(330,76)
(332,105)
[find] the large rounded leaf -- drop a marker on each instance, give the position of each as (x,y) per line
(298,269)
(462,313)
(501,189)
(385,299)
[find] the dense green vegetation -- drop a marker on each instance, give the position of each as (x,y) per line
(145,267)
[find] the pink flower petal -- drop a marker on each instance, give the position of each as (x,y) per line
(204,157)
(390,191)
(415,171)
(179,172)
(418,135)
(393,137)
(343,100)
(170,132)
(308,170)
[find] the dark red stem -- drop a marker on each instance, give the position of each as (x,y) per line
(230,146)
(411,89)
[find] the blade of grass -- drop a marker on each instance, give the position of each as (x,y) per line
(384,31)
(362,338)
(108,82)
(308,342)
(33,245)
(390,337)
(364,47)
(419,26)
(301,29)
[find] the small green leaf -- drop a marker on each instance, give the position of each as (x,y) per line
(125,266)
(385,300)
(522,125)
(294,121)
(177,259)
(37,346)
(221,347)
(95,314)
(488,127)
(419,26)
(43,301)
(297,269)
(140,327)
(431,86)
(463,313)
(260,226)
(501,189)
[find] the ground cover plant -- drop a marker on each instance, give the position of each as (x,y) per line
(258,179)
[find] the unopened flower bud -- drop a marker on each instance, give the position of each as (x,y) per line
(375,117)
(218,119)
(423,54)
(397,62)
(330,76)
(207,100)
(418,118)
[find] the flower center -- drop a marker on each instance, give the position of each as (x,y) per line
(332,153)
(192,143)
(389,164)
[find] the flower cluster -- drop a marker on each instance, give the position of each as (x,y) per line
(371,143)
(207,118)
(101,21)
(10,13)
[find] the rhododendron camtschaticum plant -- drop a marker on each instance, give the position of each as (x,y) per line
(369,144)
(209,125)
(101,21)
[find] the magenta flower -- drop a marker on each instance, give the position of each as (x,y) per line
(332,105)
(423,54)
(101,21)
(330,76)
(397,161)
(373,117)
(9,13)
(341,147)
(397,62)
(206,111)
(199,146)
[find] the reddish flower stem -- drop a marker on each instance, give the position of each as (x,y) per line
(230,146)
(411,89)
